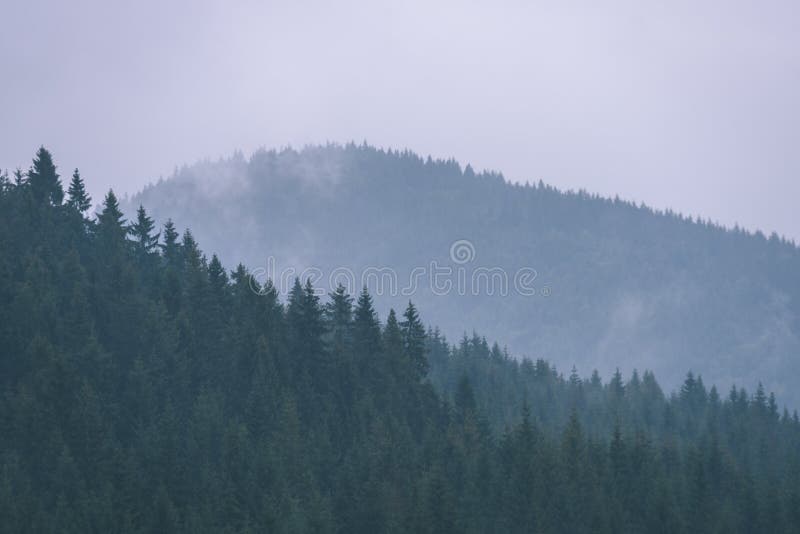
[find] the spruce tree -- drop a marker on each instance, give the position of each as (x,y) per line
(171,287)
(217,277)
(43,180)
(78,198)
(414,341)
(314,324)
(339,321)
(111,227)
(304,315)
(142,231)
(192,256)
(171,247)
(393,340)
(366,328)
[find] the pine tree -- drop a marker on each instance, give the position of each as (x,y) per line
(313,321)
(217,278)
(171,248)
(366,328)
(307,327)
(171,287)
(111,227)
(414,341)
(617,385)
(393,339)
(142,230)
(78,198)
(192,256)
(43,180)
(339,321)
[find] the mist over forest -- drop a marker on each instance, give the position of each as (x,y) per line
(147,387)
(615,285)
(554,290)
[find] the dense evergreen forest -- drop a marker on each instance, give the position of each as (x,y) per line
(629,287)
(145,388)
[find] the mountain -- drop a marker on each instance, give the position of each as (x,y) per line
(589,281)
(144,387)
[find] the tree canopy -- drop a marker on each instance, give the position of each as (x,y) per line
(146,388)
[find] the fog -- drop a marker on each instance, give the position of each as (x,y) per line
(677,104)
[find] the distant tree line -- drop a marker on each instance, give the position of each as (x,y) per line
(630,286)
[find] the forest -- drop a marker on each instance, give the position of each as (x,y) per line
(145,387)
(628,286)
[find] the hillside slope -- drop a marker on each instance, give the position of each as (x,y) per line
(616,284)
(145,389)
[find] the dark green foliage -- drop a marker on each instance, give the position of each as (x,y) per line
(43,180)
(111,227)
(78,198)
(152,391)
(414,342)
(142,232)
(366,328)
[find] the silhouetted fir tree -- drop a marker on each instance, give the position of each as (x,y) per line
(111,229)
(314,325)
(170,286)
(296,317)
(339,321)
(414,341)
(338,316)
(142,232)
(217,279)
(366,328)
(43,180)
(115,276)
(191,255)
(78,199)
(171,247)
(216,307)
(305,339)
(367,344)
(393,343)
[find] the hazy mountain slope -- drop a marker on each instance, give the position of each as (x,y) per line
(616,284)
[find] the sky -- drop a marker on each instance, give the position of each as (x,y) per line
(684,104)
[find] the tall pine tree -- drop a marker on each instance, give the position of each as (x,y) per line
(414,341)
(142,232)
(43,180)
(78,198)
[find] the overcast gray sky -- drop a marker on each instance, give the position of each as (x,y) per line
(688,104)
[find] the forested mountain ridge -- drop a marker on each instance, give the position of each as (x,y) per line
(618,285)
(145,388)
